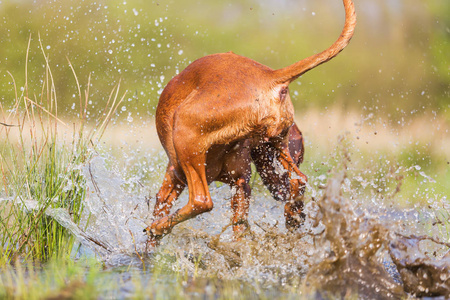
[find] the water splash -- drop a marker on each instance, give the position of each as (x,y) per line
(421,274)
(340,250)
(112,215)
(350,262)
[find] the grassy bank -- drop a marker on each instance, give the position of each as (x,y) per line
(41,167)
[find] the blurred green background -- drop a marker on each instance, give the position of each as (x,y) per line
(397,64)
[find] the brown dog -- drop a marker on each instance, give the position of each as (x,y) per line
(219,112)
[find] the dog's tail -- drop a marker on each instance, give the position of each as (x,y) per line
(291,72)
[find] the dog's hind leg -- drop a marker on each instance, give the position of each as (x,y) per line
(168,193)
(170,190)
(199,199)
(192,160)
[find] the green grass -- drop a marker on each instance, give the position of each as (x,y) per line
(41,168)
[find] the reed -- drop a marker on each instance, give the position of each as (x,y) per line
(41,161)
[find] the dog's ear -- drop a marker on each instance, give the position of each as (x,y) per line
(296,145)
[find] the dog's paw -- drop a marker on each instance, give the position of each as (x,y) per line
(295,221)
(153,239)
(293,212)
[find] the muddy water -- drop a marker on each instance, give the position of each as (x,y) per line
(350,263)
(343,249)
(421,275)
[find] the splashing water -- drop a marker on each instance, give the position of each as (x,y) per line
(421,275)
(112,215)
(349,263)
(339,250)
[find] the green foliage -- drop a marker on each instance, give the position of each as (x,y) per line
(41,171)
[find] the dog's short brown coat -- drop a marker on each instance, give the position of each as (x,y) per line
(217,116)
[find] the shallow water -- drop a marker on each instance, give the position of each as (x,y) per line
(346,246)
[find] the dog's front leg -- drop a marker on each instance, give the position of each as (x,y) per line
(293,210)
(240,204)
